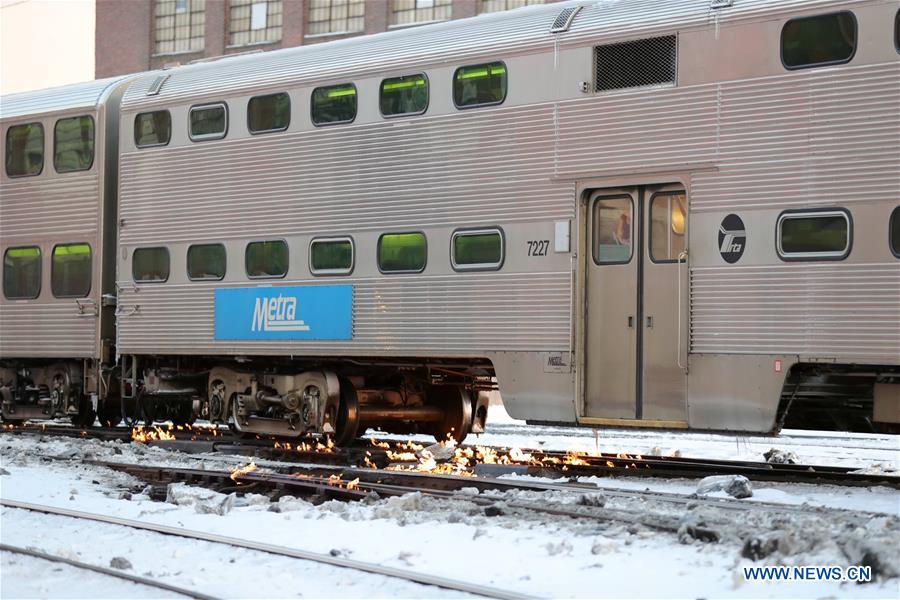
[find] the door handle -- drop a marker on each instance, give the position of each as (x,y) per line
(630,321)
(650,322)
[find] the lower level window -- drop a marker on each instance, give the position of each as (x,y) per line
(206,262)
(70,271)
(477,249)
(819,235)
(150,265)
(402,252)
(894,232)
(266,259)
(331,256)
(22,273)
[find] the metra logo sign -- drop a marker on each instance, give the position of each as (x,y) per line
(315,312)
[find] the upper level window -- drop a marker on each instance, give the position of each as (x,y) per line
(152,129)
(897,31)
(477,249)
(668,212)
(22,273)
(894,232)
(479,85)
(180,25)
(73,144)
(612,230)
(334,104)
(24,150)
(209,122)
(336,16)
(404,95)
(269,113)
(407,12)
(331,256)
(254,21)
(266,259)
(816,41)
(486,6)
(402,252)
(206,262)
(814,235)
(150,265)
(70,271)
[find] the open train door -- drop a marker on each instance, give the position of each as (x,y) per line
(635,306)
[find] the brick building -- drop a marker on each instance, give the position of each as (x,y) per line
(138,35)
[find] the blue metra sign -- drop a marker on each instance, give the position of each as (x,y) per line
(314,312)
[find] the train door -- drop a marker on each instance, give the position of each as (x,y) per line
(634,310)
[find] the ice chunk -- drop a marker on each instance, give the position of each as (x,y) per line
(118,562)
(780,457)
(736,486)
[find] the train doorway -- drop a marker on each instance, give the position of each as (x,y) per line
(635,304)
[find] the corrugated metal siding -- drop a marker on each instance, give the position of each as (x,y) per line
(460,314)
(37,208)
(45,329)
(78,95)
(820,309)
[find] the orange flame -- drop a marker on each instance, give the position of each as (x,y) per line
(155,433)
(243,470)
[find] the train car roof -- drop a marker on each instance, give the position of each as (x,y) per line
(77,95)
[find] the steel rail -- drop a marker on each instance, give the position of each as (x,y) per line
(335,561)
(107,571)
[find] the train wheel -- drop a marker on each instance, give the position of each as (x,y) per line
(86,414)
(184,413)
(110,412)
(346,422)
(457,412)
(147,409)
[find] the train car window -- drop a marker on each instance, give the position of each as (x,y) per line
(269,113)
(818,235)
(206,262)
(402,252)
(25,150)
(266,259)
(477,250)
(150,265)
(209,122)
(152,129)
(894,232)
(331,256)
(73,144)
(402,96)
(22,273)
(818,41)
(334,104)
(612,230)
(70,270)
(897,31)
(479,85)
(667,226)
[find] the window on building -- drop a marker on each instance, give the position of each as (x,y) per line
(209,122)
(477,249)
(479,85)
(269,113)
(894,232)
(486,6)
(266,259)
(150,265)
(24,150)
(152,129)
(668,212)
(404,95)
(70,271)
(206,262)
(406,12)
(821,40)
(180,25)
(254,22)
(332,256)
(73,144)
(612,230)
(402,252)
(336,16)
(814,235)
(22,273)
(334,104)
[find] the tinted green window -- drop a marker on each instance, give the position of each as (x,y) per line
(402,252)
(404,95)
(334,104)
(811,235)
(70,271)
(477,249)
(150,265)
(894,233)
(331,256)
(152,129)
(479,85)
(208,122)
(24,149)
(269,113)
(206,261)
(73,144)
(819,40)
(22,273)
(266,259)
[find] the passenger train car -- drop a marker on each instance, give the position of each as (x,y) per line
(629,213)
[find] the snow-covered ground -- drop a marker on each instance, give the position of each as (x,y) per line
(526,552)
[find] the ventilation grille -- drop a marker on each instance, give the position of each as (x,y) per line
(638,63)
(564,19)
(157,84)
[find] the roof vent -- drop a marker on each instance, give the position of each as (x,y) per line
(157,84)
(636,63)
(714,4)
(564,19)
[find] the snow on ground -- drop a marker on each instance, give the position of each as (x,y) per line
(525,552)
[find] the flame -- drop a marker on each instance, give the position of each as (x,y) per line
(353,485)
(243,470)
(155,433)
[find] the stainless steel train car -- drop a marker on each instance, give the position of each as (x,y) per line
(677,215)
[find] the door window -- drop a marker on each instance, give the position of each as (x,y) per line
(667,226)
(612,230)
